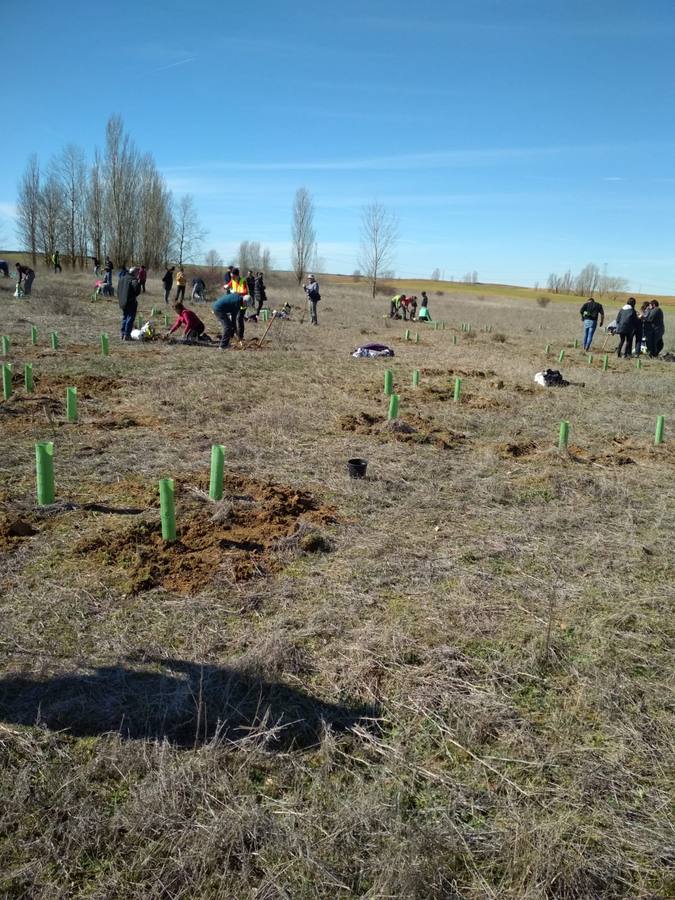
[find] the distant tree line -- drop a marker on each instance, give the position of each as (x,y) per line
(589,281)
(118,205)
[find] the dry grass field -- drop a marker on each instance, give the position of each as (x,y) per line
(451,679)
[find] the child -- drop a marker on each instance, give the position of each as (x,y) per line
(424,315)
(194,327)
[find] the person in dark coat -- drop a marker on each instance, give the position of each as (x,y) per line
(626,324)
(128,290)
(167,281)
(4,268)
(654,328)
(226,309)
(26,276)
(259,293)
(250,283)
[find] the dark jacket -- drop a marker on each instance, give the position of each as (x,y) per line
(626,321)
(228,303)
(128,288)
(654,321)
(167,279)
(259,294)
(591,310)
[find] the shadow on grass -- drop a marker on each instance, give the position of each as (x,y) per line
(186,703)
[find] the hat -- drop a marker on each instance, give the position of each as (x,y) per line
(311,277)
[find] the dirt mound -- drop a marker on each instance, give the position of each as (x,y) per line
(516,451)
(247,535)
(13,530)
(411,430)
(88,386)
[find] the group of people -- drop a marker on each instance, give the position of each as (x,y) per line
(631,326)
(404,307)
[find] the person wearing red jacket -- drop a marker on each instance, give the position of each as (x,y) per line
(193,325)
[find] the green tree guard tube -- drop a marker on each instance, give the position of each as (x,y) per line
(407,334)
(454,339)
(6,381)
(71,404)
(55,340)
(576,343)
(153,311)
(590,359)
(564,435)
(33,335)
(660,425)
(416,377)
(458,389)
(393,406)
(167,510)
(547,349)
(217,466)
(417,337)
(166,319)
(605,362)
(105,344)
(388,382)
(44,469)
(561,356)
(28,377)
(638,363)
(5,344)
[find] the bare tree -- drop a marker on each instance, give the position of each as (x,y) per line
(95,207)
(587,281)
(69,169)
(252,256)
(188,234)
(121,171)
(214,260)
(436,275)
(155,217)
(303,236)
(28,207)
(379,233)
(51,217)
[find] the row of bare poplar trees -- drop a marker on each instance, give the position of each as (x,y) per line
(118,205)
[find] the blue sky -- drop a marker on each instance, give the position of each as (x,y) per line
(510,137)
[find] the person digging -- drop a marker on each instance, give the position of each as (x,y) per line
(194,328)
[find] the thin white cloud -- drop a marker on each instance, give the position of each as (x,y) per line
(7,209)
(181,62)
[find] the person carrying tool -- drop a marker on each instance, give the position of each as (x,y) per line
(226,309)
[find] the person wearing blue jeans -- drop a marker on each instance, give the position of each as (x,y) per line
(226,309)
(128,290)
(590,312)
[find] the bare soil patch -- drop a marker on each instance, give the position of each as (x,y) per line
(411,430)
(247,535)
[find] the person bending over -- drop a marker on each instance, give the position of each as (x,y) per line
(193,325)
(226,309)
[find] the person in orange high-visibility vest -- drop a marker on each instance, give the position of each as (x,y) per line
(237,285)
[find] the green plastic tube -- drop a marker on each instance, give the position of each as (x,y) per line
(590,359)
(576,343)
(217,467)
(563,436)
(6,381)
(393,406)
(547,349)
(166,319)
(454,339)
(44,470)
(33,335)
(605,362)
(417,337)
(54,336)
(105,344)
(5,344)
(660,425)
(458,389)
(167,509)
(561,356)
(28,377)
(416,377)
(638,363)
(71,404)
(388,382)
(407,334)
(153,311)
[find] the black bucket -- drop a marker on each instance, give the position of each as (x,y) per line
(357,467)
